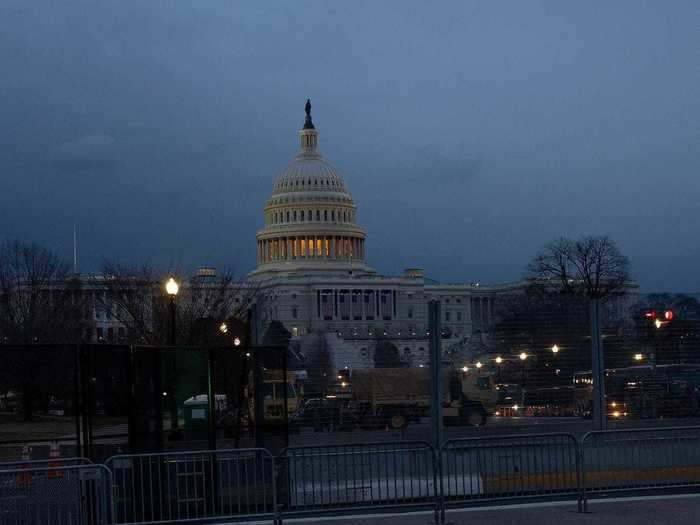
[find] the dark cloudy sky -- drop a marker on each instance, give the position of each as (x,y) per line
(469,133)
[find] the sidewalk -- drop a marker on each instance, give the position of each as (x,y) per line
(665,510)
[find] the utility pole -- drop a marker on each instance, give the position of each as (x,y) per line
(435,372)
(598,368)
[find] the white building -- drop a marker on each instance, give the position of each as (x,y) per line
(311,263)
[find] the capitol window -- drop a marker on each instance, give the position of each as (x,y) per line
(325,215)
(302,215)
(318,215)
(295,312)
(295,216)
(287,216)
(333,215)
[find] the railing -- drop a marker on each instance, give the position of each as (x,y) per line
(640,459)
(212,485)
(208,484)
(75,495)
(509,467)
(323,478)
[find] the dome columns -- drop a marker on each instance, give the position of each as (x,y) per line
(303,247)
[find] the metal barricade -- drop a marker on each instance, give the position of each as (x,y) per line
(41,463)
(640,459)
(317,479)
(74,495)
(193,485)
(509,467)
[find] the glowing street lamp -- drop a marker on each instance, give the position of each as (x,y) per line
(555,349)
(236,341)
(223,328)
(638,357)
(465,369)
(172,288)
(523,357)
(499,360)
(478,364)
(658,323)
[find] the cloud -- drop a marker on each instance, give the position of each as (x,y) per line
(90,152)
(448,169)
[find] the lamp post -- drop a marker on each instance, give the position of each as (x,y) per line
(523,357)
(172,288)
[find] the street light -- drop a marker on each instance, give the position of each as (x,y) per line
(223,328)
(638,357)
(555,349)
(523,357)
(236,341)
(499,361)
(658,323)
(172,288)
(478,364)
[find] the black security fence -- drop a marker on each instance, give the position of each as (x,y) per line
(98,400)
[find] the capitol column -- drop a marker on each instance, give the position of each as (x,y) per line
(333,247)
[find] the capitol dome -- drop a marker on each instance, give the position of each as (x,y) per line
(310,219)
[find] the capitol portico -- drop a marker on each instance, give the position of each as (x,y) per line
(311,265)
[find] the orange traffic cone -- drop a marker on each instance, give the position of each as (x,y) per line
(25,478)
(55,454)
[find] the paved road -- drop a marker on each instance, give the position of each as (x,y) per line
(637,511)
(497,426)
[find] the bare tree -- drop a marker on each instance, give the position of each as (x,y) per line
(135,296)
(319,364)
(594,269)
(592,266)
(386,354)
(39,303)
(39,300)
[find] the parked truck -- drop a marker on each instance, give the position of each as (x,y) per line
(276,394)
(394,397)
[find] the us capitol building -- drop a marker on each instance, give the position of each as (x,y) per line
(312,269)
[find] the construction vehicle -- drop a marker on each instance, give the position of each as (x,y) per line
(276,394)
(394,397)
